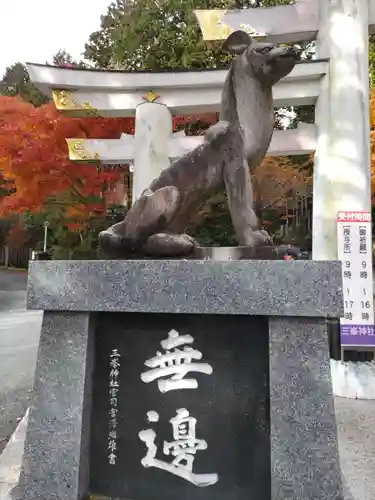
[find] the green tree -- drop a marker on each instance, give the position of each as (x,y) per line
(64,58)
(16,79)
(151,34)
(16,82)
(98,49)
(372,60)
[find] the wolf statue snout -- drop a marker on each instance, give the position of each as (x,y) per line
(292,52)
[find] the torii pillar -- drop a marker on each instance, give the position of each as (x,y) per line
(342,173)
(152,133)
(342,168)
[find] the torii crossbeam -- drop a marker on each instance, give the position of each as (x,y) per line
(298,22)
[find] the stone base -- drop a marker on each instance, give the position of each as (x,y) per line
(266,252)
(303,461)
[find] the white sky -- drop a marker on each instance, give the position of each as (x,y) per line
(34,30)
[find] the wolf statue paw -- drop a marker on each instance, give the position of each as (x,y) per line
(112,245)
(170,245)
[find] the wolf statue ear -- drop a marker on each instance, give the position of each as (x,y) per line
(237,42)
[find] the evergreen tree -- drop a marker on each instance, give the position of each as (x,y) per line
(64,58)
(16,82)
(154,35)
(372,60)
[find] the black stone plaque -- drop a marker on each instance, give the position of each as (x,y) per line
(231,442)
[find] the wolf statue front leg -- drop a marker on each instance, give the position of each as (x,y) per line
(239,189)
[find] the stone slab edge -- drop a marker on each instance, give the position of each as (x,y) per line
(11,459)
(259,287)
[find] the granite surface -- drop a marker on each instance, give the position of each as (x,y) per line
(271,288)
(304,453)
(55,465)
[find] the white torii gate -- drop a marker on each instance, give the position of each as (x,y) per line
(82,92)
(337,82)
(148,150)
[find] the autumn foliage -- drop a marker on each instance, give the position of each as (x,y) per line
(34,156)
(39,177)
(17,235)
(276,180)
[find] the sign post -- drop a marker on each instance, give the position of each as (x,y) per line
(355,251)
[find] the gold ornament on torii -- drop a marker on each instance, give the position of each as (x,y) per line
(64,101)
(214,28)
(78,151)
(151,96)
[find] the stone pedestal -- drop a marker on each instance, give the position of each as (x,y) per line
(265,425)
(266,252)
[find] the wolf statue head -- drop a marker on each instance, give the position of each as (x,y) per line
(265,61)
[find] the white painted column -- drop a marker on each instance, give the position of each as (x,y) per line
(153,129)
(342,173)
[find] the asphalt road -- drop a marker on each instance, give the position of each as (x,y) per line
(356,429)
(19,337)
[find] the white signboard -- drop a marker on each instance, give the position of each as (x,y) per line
(354,237)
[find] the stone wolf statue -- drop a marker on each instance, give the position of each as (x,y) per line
(232,147)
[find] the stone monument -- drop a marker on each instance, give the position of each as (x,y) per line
(170,378)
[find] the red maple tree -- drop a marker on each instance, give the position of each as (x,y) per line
(34,157)
(17,235)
